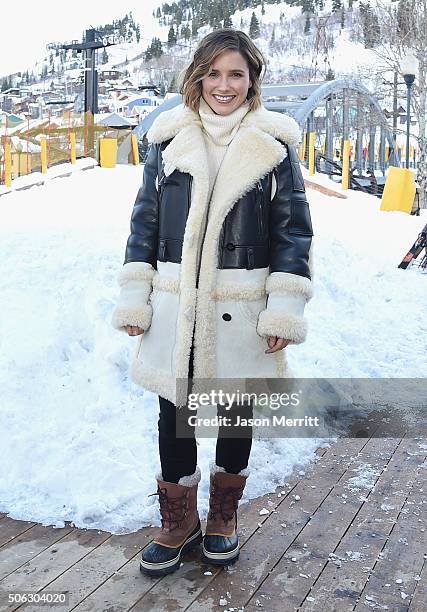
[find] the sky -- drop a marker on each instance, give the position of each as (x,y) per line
(21,45)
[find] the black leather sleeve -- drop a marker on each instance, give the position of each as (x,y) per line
(290,221)
(144,225)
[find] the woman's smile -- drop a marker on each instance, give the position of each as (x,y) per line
(223,99)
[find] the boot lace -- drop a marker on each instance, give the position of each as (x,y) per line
(170,509)
(224,501)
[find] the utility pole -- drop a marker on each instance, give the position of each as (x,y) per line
(89,46)
(395,106)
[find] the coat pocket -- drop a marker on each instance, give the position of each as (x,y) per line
(158,342)
(251,309)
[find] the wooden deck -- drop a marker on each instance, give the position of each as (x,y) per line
(324,546)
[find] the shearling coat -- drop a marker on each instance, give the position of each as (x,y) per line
(255,272)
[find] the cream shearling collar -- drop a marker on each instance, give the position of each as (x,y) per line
(169,123)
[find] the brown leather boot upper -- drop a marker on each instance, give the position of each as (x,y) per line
(178,509)
(225,492)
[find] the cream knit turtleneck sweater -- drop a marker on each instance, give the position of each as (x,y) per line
(218,131)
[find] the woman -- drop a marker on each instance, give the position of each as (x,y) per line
(216,275)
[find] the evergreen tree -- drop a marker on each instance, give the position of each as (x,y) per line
(273,35)
(342,18)
(404,18)
(156,47)
(104,57)
(262,8)
(172,85)
(178,16)
(307,24)
(254,31)
(336,6)
(370,25)
(137,33)
(186,32)
(227,21)
(148,55)
(171,37)
(307,6)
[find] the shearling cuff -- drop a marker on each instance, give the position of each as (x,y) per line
(185,481)
(135,281)
(284,315)
(285,326)
(213,468)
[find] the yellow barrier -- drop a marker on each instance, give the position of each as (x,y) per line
(21,163)
(135,152)
(7,164)
(43,145)
(399,190)
(345,164)
(311,154)
(108,152)
(303,146)
(72,147)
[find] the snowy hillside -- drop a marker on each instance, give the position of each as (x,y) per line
(296,44)
(78,439)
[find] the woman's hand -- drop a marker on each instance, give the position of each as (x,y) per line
(133,330)
(276,344)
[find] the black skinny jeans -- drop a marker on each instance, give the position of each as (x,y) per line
(178,456)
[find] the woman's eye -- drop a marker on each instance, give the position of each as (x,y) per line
(212,74)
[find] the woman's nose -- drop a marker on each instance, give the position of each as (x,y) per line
(223,83)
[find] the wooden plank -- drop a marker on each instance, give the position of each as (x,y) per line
(125,584)
(10,529)
(345,575)
(259,552)
(27,545)
(103,567)
(325,190)
(403,555)
(304,558)
(49,564)
(419,599)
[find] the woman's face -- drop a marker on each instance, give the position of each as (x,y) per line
(228,77)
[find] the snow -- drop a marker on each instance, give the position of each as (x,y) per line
(78,439)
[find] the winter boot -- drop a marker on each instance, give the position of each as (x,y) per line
(180,530)
(221,543)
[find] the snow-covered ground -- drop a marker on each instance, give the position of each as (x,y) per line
(78,439)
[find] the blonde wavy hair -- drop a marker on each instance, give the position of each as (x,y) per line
(214,43)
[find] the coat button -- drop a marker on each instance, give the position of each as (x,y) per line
(230,246)
(226,316)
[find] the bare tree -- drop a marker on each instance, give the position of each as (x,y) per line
(404,28)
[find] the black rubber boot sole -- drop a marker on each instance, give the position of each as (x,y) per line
(167,567)
(220,558)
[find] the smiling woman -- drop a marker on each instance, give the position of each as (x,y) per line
(216,276)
